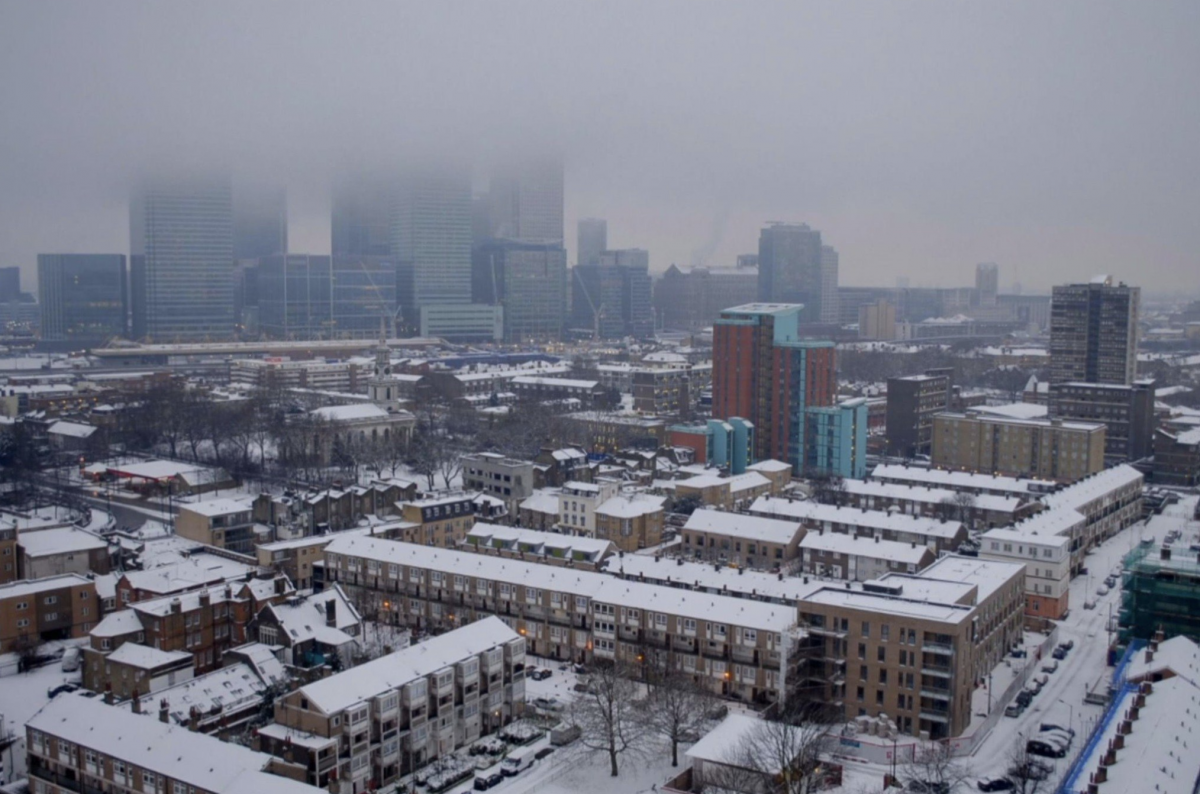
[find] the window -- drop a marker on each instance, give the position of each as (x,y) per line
(878,697)
(881,654)
(51,616)
(866,629)
(22,605)
(885,632)
(23,622)
(862,650)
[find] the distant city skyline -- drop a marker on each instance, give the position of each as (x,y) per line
(917,139)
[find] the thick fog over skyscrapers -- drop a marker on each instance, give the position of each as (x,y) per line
(919,140)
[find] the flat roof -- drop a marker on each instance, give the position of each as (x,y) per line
(858,545)
(31,586)
(58,540)
(889,605)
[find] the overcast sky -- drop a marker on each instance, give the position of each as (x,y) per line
(1057,139)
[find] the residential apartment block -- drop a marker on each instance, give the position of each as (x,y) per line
(1126,410)
(912,402)
(498,476)
(1043,544)
(551,548)
(913,647)
(732,646)
(80,744)
(385,718)
(631,521)
(1050,449)
(34,611)
(224,523)
(984,510)
(1094,332)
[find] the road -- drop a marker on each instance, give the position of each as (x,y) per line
(1061,701)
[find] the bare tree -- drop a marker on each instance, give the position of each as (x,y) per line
(828,489)
(609,716)
(964,505)
(678,706)
(1029,773)
(784,752)
(933,764)
(422,452)
(449,463)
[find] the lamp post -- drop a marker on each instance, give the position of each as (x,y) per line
(1071,716)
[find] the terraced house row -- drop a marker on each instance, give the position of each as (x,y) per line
(736,647)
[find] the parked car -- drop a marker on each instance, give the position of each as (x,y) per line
(1069,644)
(539,675)
(1045,749)
(1050,666)
(1059,653)
(1018,653)
(996,784)
(547,704)
(1111,582)
(515,765)
(928,787)
(540,754)
(482,783)
(1102,590)
(495,780)
(71,658)
(1014,710)
(58,690)
(1024,698)
(1050,726)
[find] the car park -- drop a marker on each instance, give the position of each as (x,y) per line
(1050,666)
(995,784)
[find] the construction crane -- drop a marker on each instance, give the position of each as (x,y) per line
(597,311)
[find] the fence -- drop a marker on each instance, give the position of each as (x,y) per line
(1070,781)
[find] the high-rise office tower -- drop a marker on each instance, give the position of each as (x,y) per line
(526,202)
(82,297)
(529,281)
(361,216)
(987,281)
(785,386)
(613,298)
(829,285)
(259,221)
(181,259)
(592,240)
(10,284)
(1094,332)
(320,297)
(431,238)
(789,268)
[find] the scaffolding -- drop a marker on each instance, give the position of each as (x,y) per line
(1160,589)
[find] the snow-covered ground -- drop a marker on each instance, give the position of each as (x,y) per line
(22,696)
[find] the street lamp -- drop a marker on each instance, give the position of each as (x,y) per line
(1071,716)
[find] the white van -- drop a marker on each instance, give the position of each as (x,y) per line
(515,764)
(71,658)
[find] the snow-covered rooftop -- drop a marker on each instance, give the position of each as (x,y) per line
(1179,655)
(306,620)
(60,540)
(26,587)
(542,500)
(597,586)
(927,495)
(872,519)
(174,752)
(891,605)
(116,624)
(726,743)
(769,465)
(71,429)
(226,690)
(1012,410)
(843,543)
(1094,486)
(988,575)
(529,380)
(338,692)
(145,657)
(211,508)
(630,505)
(962,479)
(191,573)
(740,525)
(517,538)
(351,413)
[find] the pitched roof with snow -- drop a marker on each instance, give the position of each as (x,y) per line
(853,516)
(147,658)
(542,500)
(855,545)
(71,429)
(338,692)
(630,505)
(740,525)
(351,413)
(1178,655)
(174,752)
(896,472)
(597,586)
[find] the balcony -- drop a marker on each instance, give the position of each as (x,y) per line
(940,694)
(937,647)
(940,671)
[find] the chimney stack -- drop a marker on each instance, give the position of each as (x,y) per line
(108,695)
(205,598)
(137,701)
(164,712)
(331,613)
(176,606)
